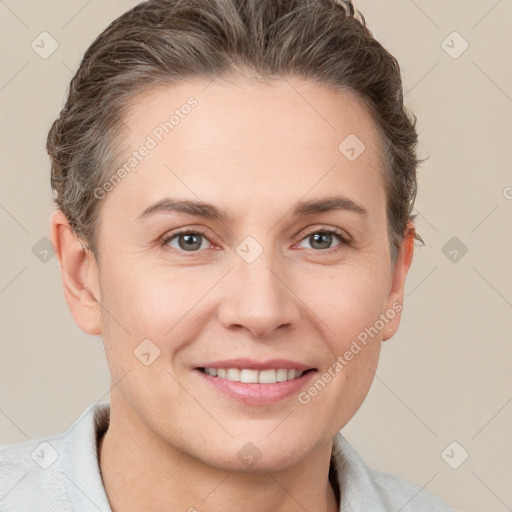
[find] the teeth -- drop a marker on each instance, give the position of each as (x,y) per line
(254,376)
(233,374)
(282,375)
(249,376)
(267,377)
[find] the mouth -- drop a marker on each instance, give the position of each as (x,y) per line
(254,376)
(251,386)
(255,382)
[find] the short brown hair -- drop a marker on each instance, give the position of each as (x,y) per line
(161,42)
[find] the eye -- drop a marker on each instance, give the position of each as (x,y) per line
(187,240)
(192,241)
(322,239)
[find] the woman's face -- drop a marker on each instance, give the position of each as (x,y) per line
(256,279)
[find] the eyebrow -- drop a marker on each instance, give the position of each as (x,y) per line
(209,211)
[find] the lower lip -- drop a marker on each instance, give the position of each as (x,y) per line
(258,394)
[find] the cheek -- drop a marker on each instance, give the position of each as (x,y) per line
(144,297)
(150,303)
(347,307)
(347,301)
(351,308)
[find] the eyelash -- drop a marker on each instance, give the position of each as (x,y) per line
(344,240)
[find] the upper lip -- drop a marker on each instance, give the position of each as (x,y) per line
(252,364)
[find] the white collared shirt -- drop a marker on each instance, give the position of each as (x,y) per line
(61,473)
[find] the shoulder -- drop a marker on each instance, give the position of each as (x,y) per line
(58,473)
(397,492)
(31,476)
(365,489)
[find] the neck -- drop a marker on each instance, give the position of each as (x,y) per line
(140,471)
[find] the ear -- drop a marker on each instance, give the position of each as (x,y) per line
(396,293)
(80,274)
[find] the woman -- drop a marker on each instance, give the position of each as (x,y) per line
(234,185)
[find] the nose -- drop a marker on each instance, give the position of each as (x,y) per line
(259,298)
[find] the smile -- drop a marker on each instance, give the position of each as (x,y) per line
(251,376)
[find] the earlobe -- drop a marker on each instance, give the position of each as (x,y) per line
(396,295)
(80,277)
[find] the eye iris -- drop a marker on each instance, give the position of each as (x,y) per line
(323,238)
(192,241)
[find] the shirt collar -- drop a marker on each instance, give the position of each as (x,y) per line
(357,488)
(80,461)
(80,464)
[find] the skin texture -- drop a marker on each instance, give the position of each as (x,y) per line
(253,149)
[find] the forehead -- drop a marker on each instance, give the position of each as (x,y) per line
(249,139)
(258,111)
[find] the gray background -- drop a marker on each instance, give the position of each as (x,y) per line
(444,377)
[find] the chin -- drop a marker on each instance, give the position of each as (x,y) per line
(257,455)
